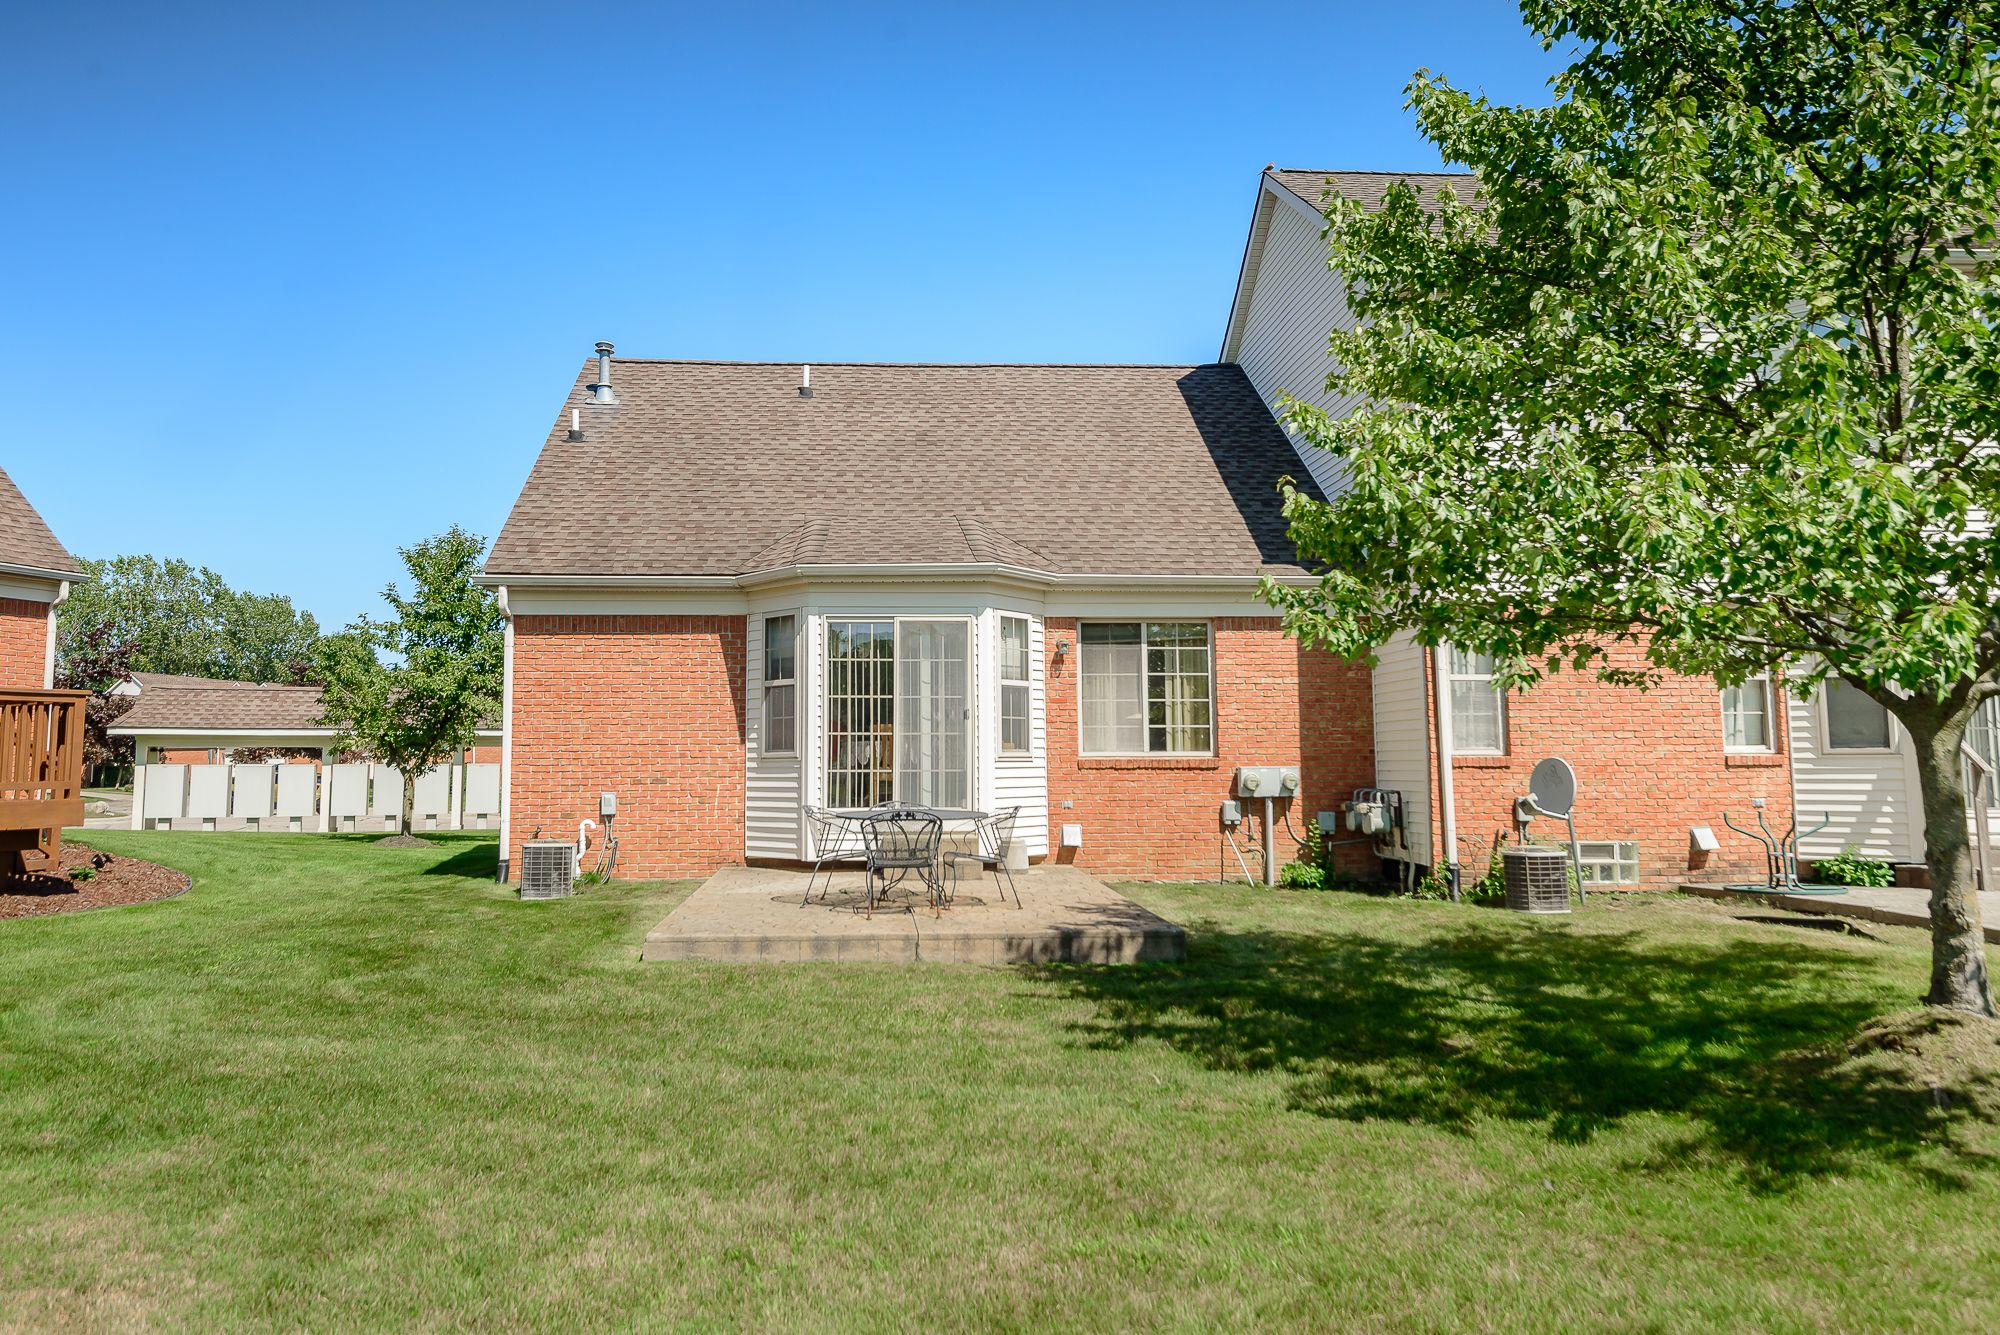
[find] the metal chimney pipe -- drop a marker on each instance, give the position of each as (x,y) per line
(601,391)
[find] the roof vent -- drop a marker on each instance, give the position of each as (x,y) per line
(576,424)
(805,382)
(601,391)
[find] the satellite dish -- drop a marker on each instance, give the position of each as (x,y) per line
(1553,788)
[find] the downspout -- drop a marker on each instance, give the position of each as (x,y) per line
(49,649)
(506,731)
(1447,807)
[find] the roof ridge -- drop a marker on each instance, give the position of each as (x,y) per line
(1364,171)
(969,366)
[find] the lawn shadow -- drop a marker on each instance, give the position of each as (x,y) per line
(1744,1038)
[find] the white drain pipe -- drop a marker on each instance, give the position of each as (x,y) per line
(1447,805)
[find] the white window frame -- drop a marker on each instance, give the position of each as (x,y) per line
(1025,685)
(1452,677)
(1825,706)
(823,740)
(1770,745)
(1214,721)
(790,683)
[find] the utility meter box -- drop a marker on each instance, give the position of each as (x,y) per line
(1267,781)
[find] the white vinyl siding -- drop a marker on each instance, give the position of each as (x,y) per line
(771,797)
(1019,778)
(1297,302)
(1402,739)
(1869,796)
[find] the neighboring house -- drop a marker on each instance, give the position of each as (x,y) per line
(35,575)
(41,729)
(206,720)
(1652,765)
(741,589)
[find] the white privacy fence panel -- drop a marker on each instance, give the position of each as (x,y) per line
(309,797)
(432,799)
(348,789)
(207,792)
(166,791)
(297,788)
(482,790)
(252,784)
(386,801)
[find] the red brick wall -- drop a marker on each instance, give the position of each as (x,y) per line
(1649,766)
(1276,703)
(24,644)
(649,707)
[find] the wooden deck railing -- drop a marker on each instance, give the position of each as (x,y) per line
(41,771)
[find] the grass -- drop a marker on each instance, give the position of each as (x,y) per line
(344,1086)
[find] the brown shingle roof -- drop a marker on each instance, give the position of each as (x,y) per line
(1368,188)
(217,705)
(202,702)
(722,468)
(24,539)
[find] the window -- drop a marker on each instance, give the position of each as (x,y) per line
(1014,727)
(1855,721)
(1146,688)
(1746,716)
(1607,862)
(1478,713)
(860,712)
(1984,737)
(781,691)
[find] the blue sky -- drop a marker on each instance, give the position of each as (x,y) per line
(286,287)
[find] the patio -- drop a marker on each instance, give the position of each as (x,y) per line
(758,914)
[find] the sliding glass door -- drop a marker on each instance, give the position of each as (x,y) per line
(934,713)
(899,712)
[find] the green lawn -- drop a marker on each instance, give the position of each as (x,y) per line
(342,1086)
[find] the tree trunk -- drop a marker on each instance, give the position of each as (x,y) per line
(409,807)
(1958,937)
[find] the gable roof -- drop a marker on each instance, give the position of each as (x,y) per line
(1368,189)
(725,469)
(26,544)
(1306,191)
(166,701)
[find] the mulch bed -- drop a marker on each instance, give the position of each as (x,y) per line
(121,880)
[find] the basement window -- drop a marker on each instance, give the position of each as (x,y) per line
(1607,862)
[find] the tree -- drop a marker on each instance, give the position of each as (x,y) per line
(411,691)
(182,618)
(1710,367)
(96,660)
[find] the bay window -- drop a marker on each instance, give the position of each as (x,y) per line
(1146,688)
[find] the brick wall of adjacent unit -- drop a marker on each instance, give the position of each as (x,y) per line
(1650,766)
(24,644)
(1155,817)
(648,707)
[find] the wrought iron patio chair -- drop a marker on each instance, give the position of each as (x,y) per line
(900,841)
(995,833)
(836,843)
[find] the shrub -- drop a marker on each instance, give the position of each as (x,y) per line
(1848,867)
(82,873)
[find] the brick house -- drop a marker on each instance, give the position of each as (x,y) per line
(738,589)
(35,575)
(721,581)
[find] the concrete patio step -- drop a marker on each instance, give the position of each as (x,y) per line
(758,915)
